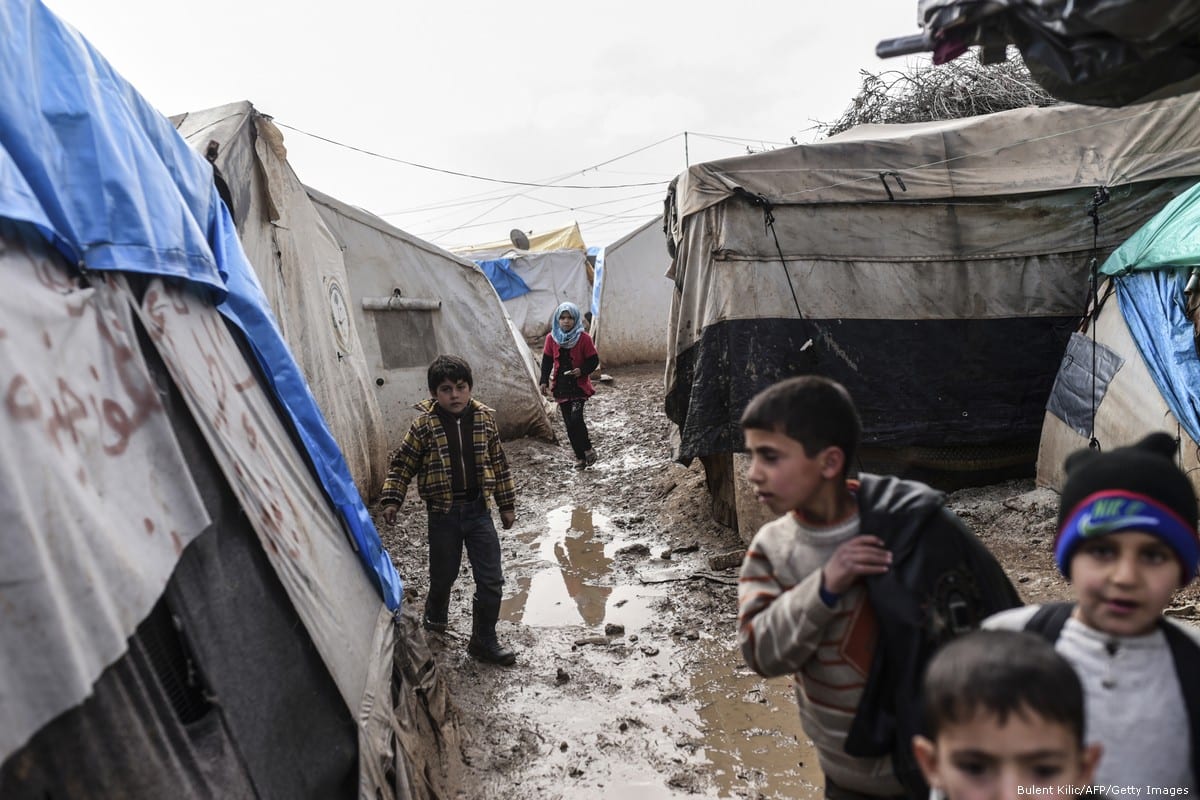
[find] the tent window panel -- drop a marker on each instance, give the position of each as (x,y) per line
(1071,398)
(406,338)
(174,664)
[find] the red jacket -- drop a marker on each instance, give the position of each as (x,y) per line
(579,357)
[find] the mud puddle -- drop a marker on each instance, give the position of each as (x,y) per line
(583,580)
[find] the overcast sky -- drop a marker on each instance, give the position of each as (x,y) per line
(525,91)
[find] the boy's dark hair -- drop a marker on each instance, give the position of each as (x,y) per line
(449,368)
(815,411)
(1001,672)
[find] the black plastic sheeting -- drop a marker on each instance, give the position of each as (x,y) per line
(924,383)
(1095,52)
(1087,369)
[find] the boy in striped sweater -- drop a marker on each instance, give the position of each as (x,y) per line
(853,588)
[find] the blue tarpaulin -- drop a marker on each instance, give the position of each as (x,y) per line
(1153,306)
(1151,269)
(507,282)
(112,186)
(597,254)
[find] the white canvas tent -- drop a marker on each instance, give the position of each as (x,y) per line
(632,297)
(935,269)
(303,273)
(411,301)
(369,305)
(195,604)
(544,278)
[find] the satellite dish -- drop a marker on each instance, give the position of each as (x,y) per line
(519,239)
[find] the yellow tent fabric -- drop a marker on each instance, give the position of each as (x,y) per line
(568,238)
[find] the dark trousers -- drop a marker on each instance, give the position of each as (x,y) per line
(577,432)
(470,525)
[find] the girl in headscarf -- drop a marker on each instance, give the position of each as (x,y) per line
(568,360)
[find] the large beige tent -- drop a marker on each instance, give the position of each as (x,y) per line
(364,306)
(411,301)
(936,269)
(302,272)
(632,297)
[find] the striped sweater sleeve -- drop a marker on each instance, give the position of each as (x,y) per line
(781,619)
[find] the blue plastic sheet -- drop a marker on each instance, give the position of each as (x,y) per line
(507,282)
(113,186)
(1153,306)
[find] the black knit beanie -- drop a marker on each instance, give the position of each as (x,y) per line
(1138,487)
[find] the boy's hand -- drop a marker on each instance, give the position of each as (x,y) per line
(546,389)
(507,518)
(389,513)
(862,555)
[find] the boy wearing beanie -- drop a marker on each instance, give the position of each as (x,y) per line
(1127,539)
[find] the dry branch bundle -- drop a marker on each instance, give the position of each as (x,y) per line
(922,92)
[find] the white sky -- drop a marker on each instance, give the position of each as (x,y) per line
(527,91)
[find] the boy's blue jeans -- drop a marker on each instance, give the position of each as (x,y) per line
(465,525)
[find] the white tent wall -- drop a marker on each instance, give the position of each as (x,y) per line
(1130,408)
(553,277)
(412,301)
(302,272)
(635,297)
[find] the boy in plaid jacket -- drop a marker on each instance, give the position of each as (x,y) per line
(454,450)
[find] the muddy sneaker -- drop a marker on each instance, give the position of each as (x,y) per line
(589,457)
(436,627)
(491,653)
(580,464)
(728,560)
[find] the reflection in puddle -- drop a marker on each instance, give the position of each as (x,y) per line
(748,729)
(578,588)
(752,734)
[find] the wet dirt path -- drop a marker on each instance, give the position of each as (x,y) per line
(628,682)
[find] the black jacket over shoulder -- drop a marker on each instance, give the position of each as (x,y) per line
(943,582)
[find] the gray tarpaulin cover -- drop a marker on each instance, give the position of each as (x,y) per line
(935,268)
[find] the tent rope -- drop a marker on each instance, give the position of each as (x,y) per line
(1099,198)
(762,202)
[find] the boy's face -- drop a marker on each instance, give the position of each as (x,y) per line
(453,396)
(981,759)
(1123,581)
(784,476)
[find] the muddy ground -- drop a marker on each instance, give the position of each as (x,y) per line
(628,683)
